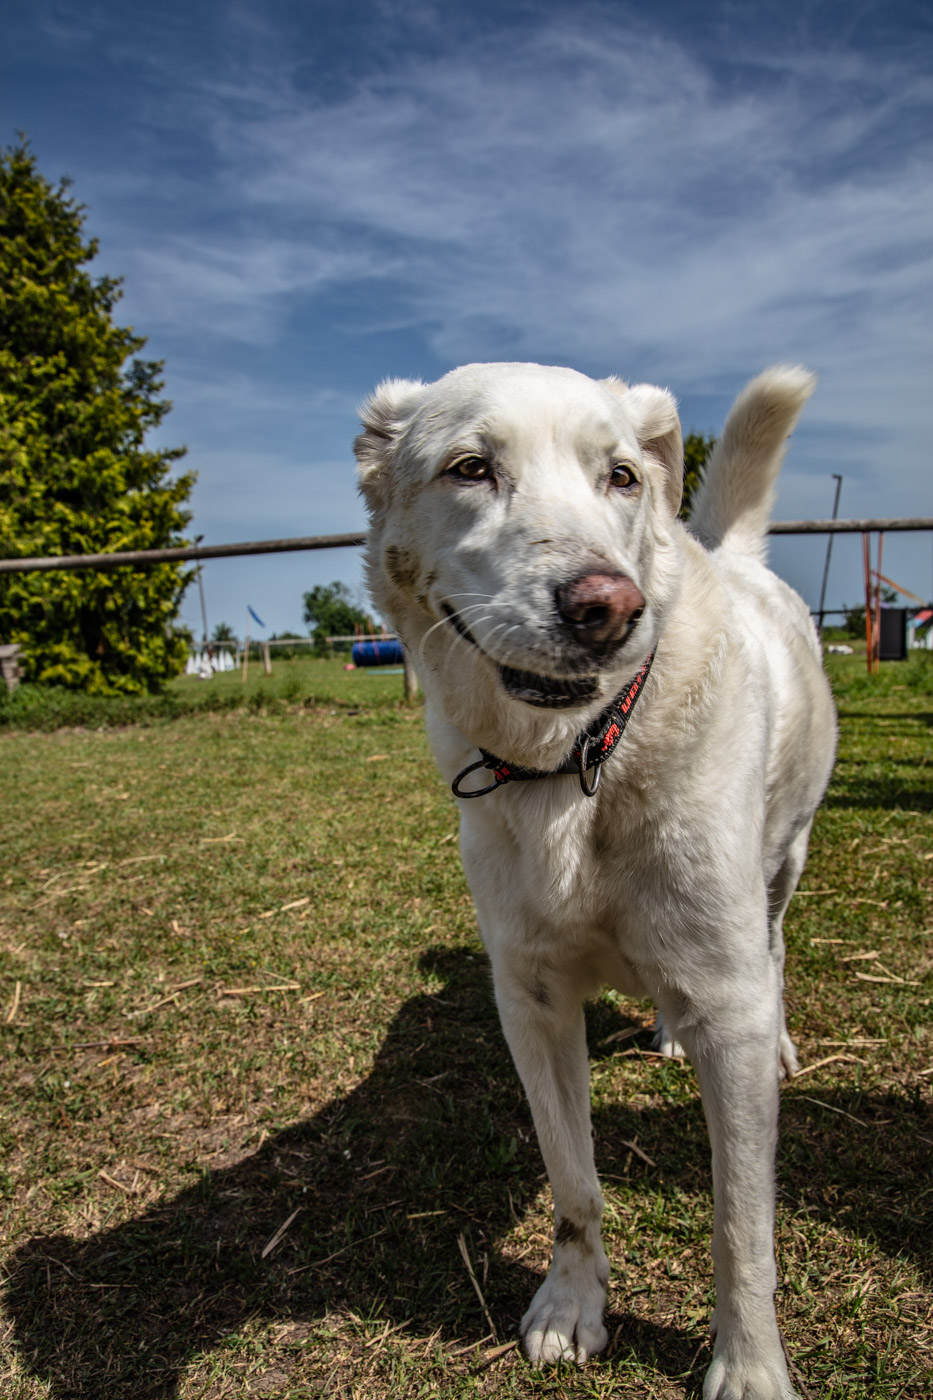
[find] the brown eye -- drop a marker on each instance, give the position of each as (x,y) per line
(622,477)
(470,469)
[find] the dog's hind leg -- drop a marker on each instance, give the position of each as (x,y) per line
(543,1023)
(663,1042)
(779,896)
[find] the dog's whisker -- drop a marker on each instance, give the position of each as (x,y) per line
(467,607)
(445,619)
(508,655)
(459,637)
(457,612)
(485,642)
(426,635)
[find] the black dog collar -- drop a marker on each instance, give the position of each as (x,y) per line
(590,749)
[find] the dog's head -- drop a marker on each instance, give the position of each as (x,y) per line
(522,537)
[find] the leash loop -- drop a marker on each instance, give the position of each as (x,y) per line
(478,792)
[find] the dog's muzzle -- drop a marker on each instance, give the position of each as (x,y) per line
(600,612)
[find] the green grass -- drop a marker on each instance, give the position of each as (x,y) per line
(240,978)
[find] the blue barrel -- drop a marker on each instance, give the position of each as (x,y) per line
(380,653)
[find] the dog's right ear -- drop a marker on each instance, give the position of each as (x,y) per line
(383,415)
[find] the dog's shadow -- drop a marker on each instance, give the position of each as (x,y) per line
(384,1180)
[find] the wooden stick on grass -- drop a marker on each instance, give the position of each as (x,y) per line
(465,1254)
(279,1234)
(621,1035)
(633,1147)
(14,1005)
(389,1331)
(860,1121)
(112,1181)
(303,1268)
(828,1060)
(248,991)
(103,1044)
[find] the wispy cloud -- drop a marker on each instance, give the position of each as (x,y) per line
(592,189)
(683,197)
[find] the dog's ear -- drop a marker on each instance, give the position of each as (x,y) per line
(383,415)
(657,427)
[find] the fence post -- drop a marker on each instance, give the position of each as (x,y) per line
(411,681)
(9,665)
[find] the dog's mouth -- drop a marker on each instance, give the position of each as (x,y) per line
(547,692)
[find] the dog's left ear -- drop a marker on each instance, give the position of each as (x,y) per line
(384,415)
(657,426)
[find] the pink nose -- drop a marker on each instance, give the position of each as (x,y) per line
(599,607)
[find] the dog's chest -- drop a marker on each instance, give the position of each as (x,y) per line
(565,871)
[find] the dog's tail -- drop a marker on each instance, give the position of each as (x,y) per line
(732,506)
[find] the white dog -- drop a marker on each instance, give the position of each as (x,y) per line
(525,544)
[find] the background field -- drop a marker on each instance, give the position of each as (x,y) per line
(258,1113)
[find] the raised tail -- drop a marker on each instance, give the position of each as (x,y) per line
(732,506)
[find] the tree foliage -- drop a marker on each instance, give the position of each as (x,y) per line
(329,612)
(75,474)
(697,451)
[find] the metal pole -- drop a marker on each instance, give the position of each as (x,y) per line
(876,650)
(829,549)
(197,540)
(866,561)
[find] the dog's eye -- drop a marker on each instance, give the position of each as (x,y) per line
(470,469)
(622,476)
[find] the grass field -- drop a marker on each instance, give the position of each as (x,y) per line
(260,1132)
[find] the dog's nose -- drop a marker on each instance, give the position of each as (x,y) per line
(599,607)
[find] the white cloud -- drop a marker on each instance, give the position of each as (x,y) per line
(592,192)
(584,188)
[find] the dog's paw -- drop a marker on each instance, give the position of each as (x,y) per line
(565,1320)
(788,1063)
(751,1373)
(663,1043)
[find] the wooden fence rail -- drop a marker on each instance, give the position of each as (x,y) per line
(301,542)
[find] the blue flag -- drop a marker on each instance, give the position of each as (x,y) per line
(254,616)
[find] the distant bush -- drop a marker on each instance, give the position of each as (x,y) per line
(304,685)
(50,707)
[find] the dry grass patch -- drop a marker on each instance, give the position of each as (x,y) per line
(259,1112)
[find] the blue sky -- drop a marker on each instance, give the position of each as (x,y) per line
(305,198)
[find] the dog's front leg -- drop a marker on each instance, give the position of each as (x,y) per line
(543,1024)
(733,1047)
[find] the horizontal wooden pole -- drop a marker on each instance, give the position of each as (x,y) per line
(181,555)
(194,553)
(849,527)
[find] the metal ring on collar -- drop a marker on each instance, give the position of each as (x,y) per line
(589,789)
(465,772)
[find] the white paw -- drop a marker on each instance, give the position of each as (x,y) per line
(663,1043)
(748,1374)
(565,1320)
(788,1063)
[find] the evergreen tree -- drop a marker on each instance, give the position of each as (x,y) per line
(697,450)
(75,474)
